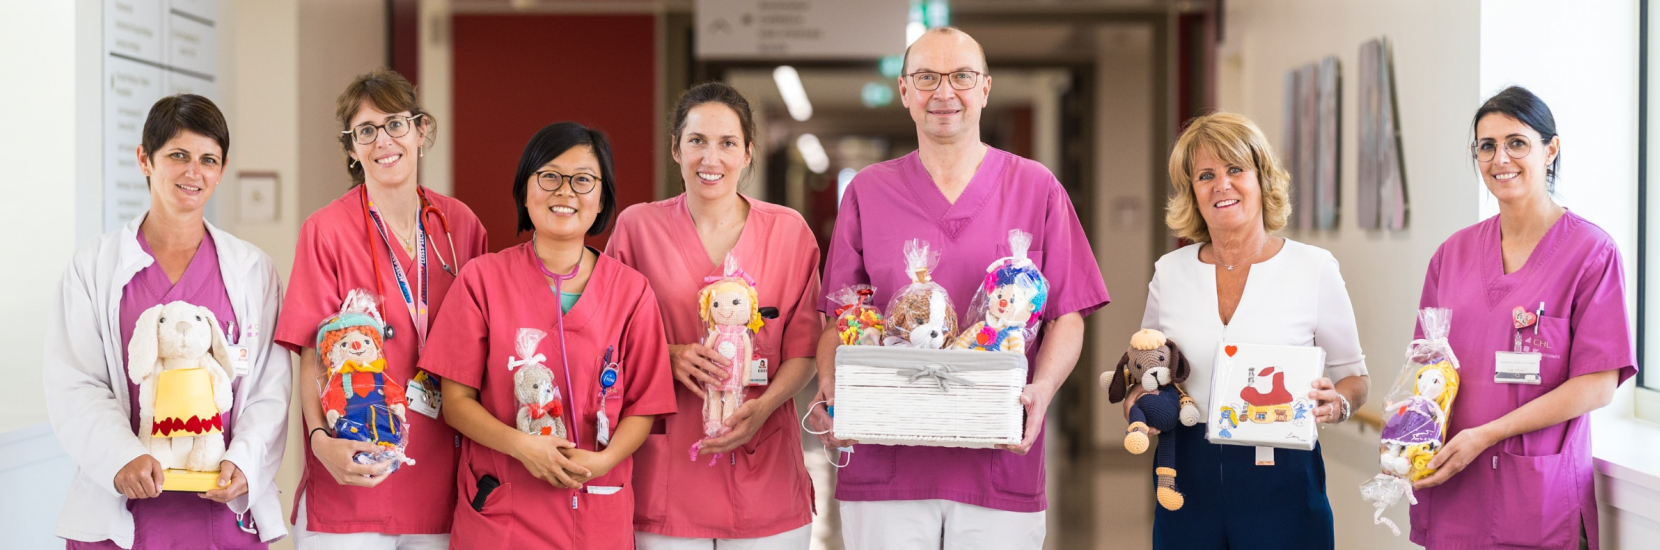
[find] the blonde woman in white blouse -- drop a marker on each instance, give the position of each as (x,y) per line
(1240,284)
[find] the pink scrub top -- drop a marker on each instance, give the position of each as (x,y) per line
(762,488)
(330,259)
(1534,490)
(894,201)
(179,519)
(500,293)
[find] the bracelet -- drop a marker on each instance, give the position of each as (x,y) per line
(1346,411)
(314,431)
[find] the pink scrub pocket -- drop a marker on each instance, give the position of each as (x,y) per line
(869,465)
(1540,499)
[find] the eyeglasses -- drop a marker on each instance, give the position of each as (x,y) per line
(1515,147)
(929,81)
(551,181)
(398,127)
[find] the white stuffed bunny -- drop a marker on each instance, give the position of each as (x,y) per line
(175,337)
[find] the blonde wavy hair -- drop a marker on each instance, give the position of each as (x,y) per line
(1235,140)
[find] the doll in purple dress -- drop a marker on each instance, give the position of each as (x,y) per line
(1413,435)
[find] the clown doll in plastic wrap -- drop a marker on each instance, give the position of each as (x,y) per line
(1008,302)
(729,306)
(360,401)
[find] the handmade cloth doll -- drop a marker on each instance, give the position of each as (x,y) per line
(920,314)
(1008,303)
(1415,416)
(1159,367)
(857,323)
(541,409)
(729,306)
(360,400)
(179,360)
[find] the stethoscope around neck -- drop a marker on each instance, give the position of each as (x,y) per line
(559,319)
(427,209)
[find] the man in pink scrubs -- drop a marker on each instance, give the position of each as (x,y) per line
(962,197)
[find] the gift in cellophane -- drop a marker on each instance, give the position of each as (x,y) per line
(1006,308)
(730,308)
(361,400)
(920,315)
(1415,416)
(858,322)
(541,407)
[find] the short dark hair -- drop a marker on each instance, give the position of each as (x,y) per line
(389,92)
(554,140)
(713,92)
(185,113)
(1519,103)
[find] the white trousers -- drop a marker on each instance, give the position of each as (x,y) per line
(937,524)
(307,540)
(788,540)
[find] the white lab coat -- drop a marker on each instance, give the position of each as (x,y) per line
(86,383)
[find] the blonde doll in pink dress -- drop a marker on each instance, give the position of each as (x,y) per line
(728,305)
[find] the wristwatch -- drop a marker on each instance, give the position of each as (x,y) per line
(1346,411)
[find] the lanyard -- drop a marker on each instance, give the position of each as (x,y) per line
(415,300)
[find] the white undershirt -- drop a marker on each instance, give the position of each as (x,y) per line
(1295,298)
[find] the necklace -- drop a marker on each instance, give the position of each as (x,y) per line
(1218,253)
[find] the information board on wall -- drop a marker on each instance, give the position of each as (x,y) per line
(800,29)
(152,49)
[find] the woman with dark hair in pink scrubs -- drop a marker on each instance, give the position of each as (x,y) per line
(757,494)
(1539,291)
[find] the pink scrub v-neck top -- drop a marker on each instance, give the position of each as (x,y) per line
(475,344)
(761,489)
(1532,490)
(891,202)
(331,258)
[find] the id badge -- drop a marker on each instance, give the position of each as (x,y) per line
(239,359)
(423,395)
(758,372)
(1512,367)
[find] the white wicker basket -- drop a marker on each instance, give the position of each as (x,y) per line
(936,398)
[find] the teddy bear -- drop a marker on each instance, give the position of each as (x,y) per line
(179,360)
(541,411)
(1157,364)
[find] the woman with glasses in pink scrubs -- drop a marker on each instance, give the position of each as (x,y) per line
(756,494)
(1540,329)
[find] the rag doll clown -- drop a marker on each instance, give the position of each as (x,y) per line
(360,401)
(1012,298)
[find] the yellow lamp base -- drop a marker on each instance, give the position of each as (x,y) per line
(190,482)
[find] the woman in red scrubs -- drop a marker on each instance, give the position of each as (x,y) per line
(391,237)
(759,491)
(549,467)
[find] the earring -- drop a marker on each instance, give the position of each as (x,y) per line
(421,152)
(351,163)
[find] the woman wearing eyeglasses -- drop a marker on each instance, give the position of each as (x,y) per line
(751,483)
(404,244)
(1542,290)
(554,364)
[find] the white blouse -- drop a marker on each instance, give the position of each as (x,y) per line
(1295,298)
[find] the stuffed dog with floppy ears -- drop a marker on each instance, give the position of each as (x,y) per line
(1158,366)
(179,360)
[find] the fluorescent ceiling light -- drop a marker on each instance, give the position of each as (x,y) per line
(795,96)
(813,153)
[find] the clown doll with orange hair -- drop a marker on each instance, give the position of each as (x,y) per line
(731,309)
(360,401)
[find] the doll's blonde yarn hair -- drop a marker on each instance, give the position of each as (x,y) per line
(1451,374)
(725,285)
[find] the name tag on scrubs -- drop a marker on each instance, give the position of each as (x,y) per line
(239,358)
(1510,367)
(758,373)
(422,394)
(602,490)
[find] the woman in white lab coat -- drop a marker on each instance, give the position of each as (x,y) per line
(168,254)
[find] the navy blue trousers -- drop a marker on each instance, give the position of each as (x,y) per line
(1233,504)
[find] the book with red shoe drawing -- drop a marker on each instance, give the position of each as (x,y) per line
(1259,395)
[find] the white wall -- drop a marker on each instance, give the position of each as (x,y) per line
(1448,58)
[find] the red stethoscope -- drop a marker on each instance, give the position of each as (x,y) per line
(371,227)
